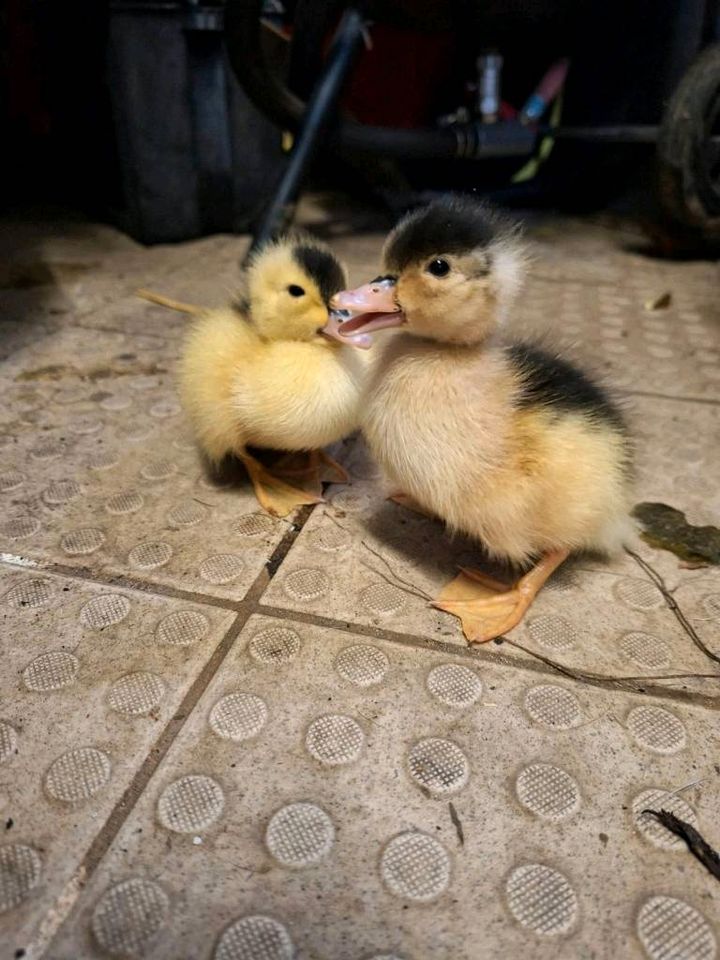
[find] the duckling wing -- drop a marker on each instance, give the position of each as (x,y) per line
(547,380)
(297,396)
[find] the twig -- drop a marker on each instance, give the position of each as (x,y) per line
(408,586)
(603,678)
(457,823)
(673,605)
(697,844)
(161,301)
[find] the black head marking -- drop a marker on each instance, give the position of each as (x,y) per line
(450,225)
(322,267)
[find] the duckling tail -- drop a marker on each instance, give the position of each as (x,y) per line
(169,303)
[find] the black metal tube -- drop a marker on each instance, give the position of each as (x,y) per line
(320,113)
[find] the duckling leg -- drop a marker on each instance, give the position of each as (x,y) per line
(488,608)
(341,474)
(273,494)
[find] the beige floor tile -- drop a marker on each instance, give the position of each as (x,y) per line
(91,677)
(335,797)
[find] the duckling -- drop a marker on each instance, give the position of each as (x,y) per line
(264,375)
(504,441)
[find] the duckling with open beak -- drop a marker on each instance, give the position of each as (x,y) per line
(505,442)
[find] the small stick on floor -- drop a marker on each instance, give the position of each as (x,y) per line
(697,845)
(168,302)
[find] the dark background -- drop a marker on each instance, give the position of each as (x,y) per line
(104,104)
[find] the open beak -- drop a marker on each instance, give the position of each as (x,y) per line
(370,307)
(331,330)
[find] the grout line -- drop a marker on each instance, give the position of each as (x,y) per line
(62,910)
(708,401)
(483,654)
(58,914)
(140,586)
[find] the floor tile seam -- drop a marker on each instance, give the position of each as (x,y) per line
(544,666)
(679,398)
(154,758)
(146,587)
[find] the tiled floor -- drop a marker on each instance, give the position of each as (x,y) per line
(228,737)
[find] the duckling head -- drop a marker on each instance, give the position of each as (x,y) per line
(451,271)
(289,287)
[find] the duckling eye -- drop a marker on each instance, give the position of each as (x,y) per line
(438,268)
(295,291)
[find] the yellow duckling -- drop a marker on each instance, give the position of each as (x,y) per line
(264,375)
(504,442)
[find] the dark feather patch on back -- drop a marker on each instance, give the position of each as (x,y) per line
(322,267)
(450,225)
(552,382)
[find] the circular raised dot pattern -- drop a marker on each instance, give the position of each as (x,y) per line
(83,541)
(254,525)
(19,528)
(85,425)
(31,593)
(645,650)
(8,741)
(650,827)
(439,766)
(165,408)
(299,835)
(415,866)
(656,729)
(255,938)
(711,606)
(151,555)
(115,402)
(103,460)
(105,611)
(20,869)
(129,916)
(78,775)
(136,694)
(47,450)
(11,480)
(62,491)
(182,628)
(275,645)
(121,503)
(137,434)
(187,513)
(638,594)
(331,539)
(190,804)
(349,500)
(671,929)
(238,716)
(553,633)
(541,899)
(306,584)
(383,598)
(362,665)
(547,791)
(335,739)
(454,685)
(553,707)
(221,568)
(158,470)
(51,671)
